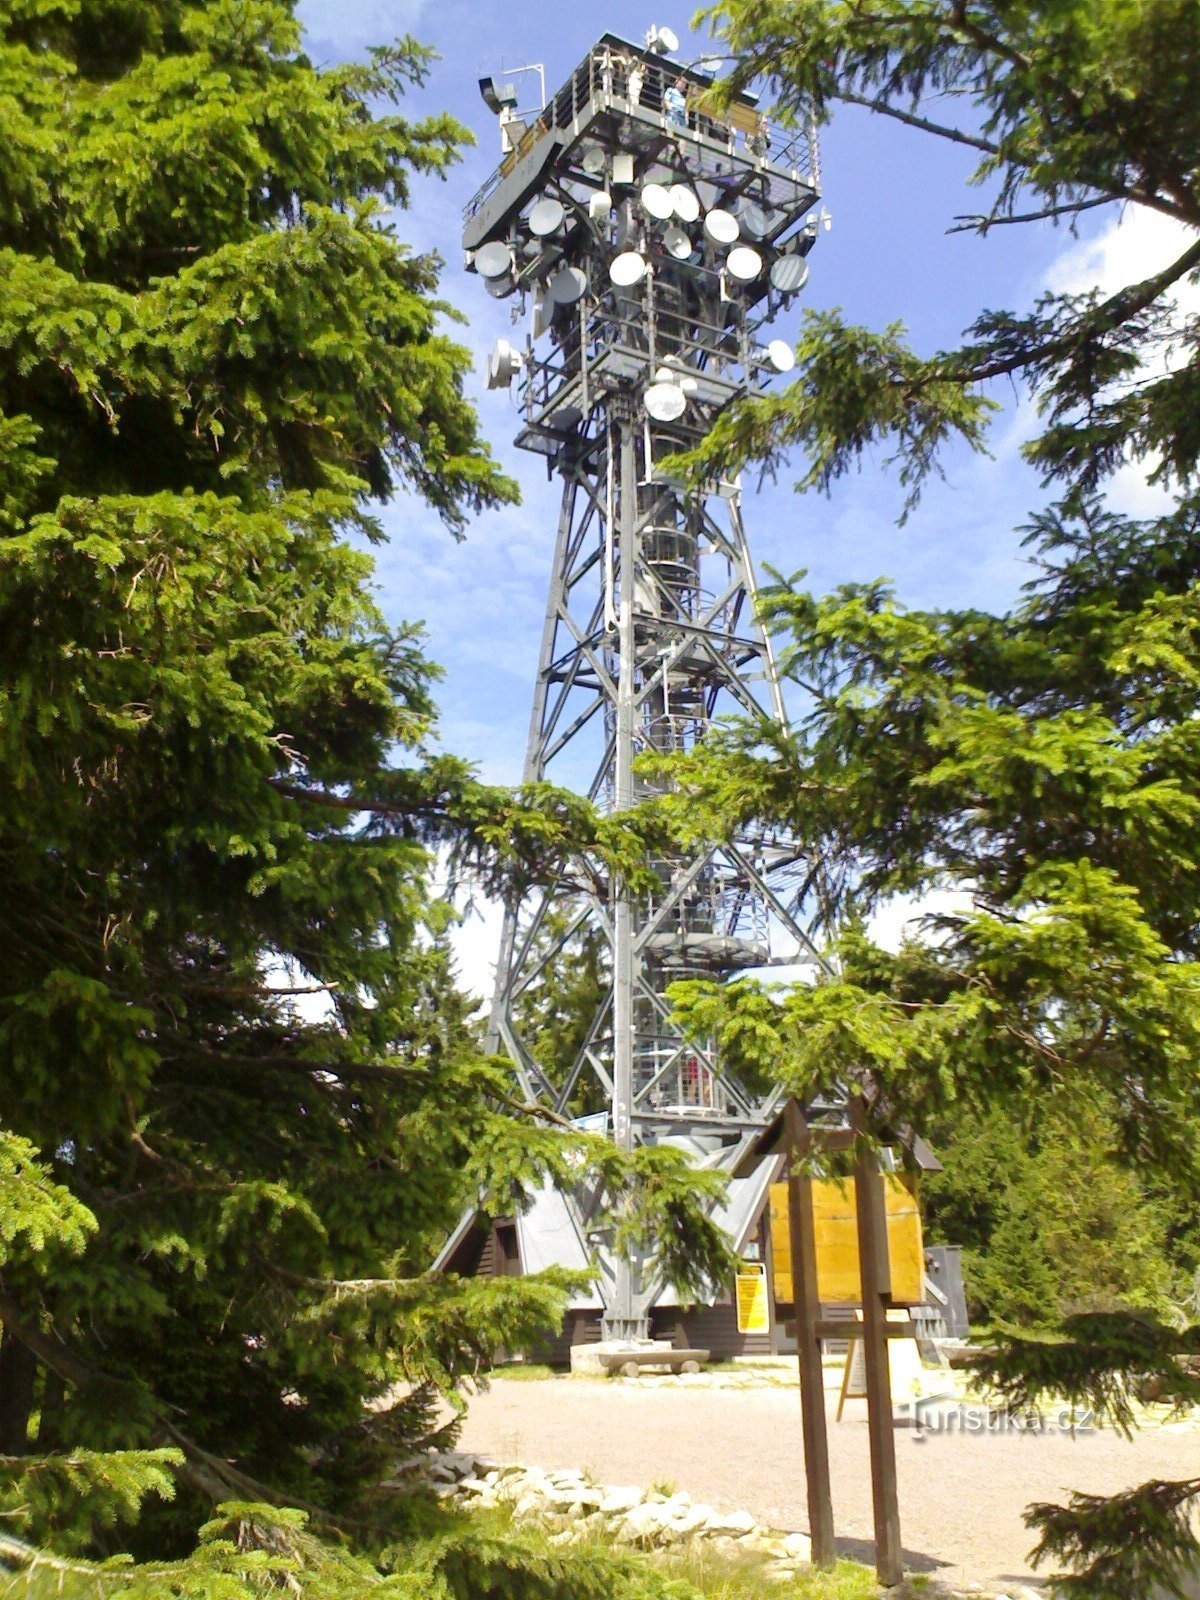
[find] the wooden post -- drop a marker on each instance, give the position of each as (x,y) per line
(871,1209)
(808,1342)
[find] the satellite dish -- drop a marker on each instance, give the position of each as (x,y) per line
(744,264)
(666,402)
(600,205)
(677,243)
(781,355)
(665,375)
(688,384)
(684,202)
(546,216)
(567,286)
(499,287)
(656,201)
(627,269)
(493,260)
(592,160)
(722,227)
(789,273)
(707,193)
(755,222)
(502,365)
(662,42)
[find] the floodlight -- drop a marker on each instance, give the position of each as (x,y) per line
(496,95)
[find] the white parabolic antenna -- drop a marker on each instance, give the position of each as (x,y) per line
(493,260)
(546,216)
(656,201)
(684,203)
(502,365)
(665,401)
(781,355)
(593,161)
(722,227)
(744,264)
(677,243)
(627,269)
(789,273)
(568,285)
(754,221)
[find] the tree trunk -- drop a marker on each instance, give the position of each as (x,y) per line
(18,1369)
(49,1434)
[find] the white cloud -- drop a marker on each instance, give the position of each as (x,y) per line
(1135,246)
(476,943)
(902,917)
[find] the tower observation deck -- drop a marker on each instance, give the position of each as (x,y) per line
(644,243)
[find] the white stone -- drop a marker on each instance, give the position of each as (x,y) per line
(798,1546)
(620,1498)
(738,1523)
(642,1521)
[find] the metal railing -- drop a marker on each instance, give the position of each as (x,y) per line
(641,84)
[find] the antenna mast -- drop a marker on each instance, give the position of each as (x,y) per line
(649,241)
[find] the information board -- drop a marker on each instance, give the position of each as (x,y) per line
(753,1311)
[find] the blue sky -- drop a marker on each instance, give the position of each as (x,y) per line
(892,193)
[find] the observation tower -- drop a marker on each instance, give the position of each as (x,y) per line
(644,242)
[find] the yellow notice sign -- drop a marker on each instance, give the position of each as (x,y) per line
(836,1231)
(753,1312)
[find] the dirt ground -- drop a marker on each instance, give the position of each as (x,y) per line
(738,1448)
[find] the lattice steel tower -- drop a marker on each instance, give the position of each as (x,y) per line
(649,240)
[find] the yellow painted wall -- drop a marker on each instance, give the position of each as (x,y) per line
(837,1241)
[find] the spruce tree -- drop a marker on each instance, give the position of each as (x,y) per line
(242,1102)
(1042,761)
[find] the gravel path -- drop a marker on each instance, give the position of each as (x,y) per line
(961,1495)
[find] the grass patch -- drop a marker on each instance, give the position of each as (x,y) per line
(720,1576)
(524,1371)
(596,1568)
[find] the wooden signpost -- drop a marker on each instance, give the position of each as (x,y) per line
(871,1209)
